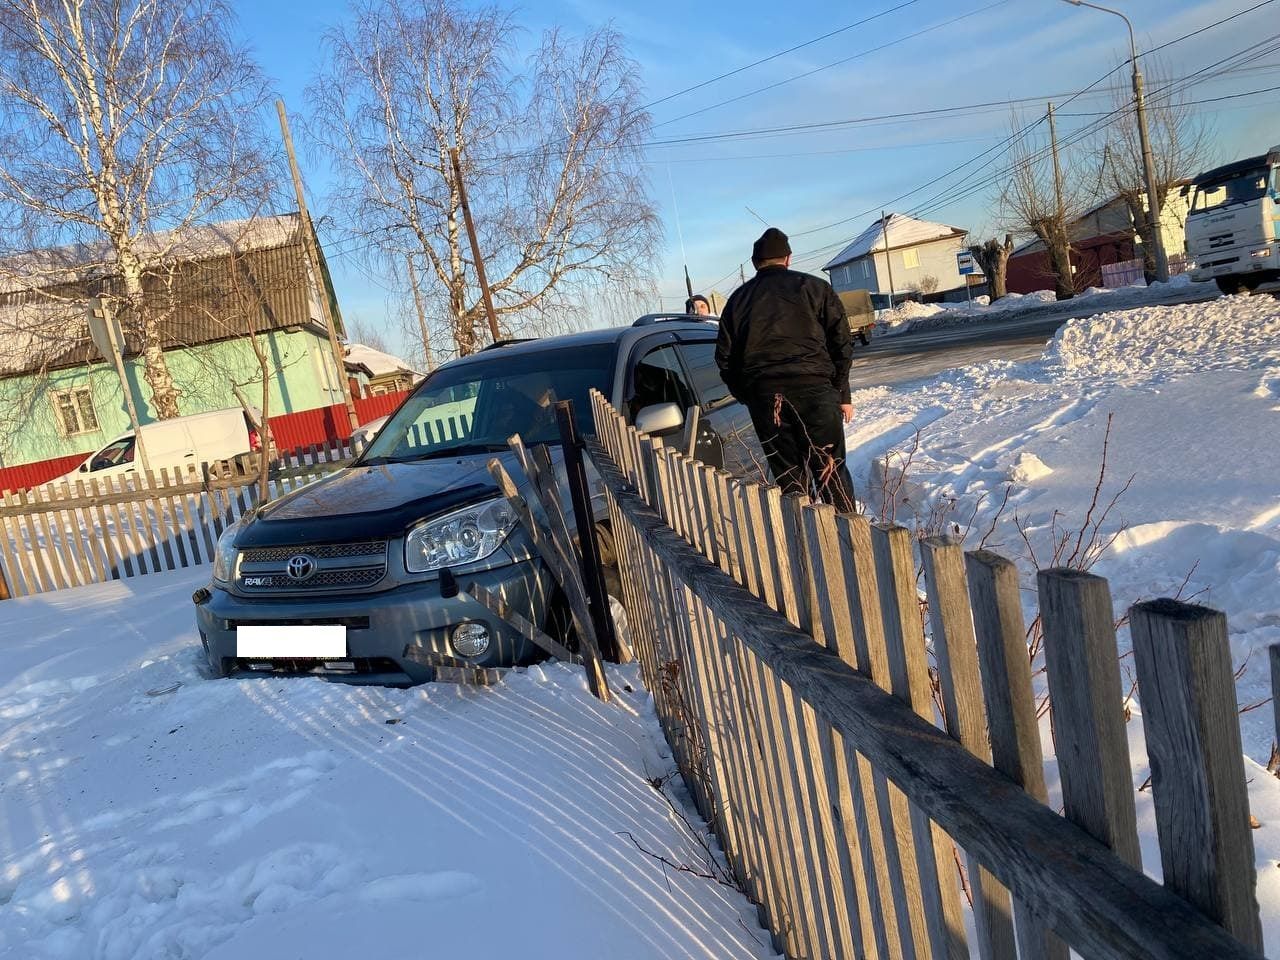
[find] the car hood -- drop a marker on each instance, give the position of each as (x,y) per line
(365,502)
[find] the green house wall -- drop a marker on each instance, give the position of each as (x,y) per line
(303,378)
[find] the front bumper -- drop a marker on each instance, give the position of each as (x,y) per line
(381,625)
(1239,260)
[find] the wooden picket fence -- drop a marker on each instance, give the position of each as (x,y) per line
(785,649)
(69,535)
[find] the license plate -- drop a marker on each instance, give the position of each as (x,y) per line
(318,641)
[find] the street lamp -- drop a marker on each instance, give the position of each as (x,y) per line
(1144,139)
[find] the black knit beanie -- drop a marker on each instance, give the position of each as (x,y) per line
(772,245)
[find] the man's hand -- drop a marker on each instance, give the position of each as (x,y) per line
(846,410)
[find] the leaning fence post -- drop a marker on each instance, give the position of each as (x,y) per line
(1185,680)
(1088,719)
(588,546)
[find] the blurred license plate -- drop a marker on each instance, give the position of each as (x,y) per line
(322,641)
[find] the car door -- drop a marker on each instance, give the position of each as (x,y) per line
(656,375)
(726,437)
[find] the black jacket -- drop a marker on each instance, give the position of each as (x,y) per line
(783,328)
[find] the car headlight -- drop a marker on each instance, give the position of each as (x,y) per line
(463,536)
(226,559)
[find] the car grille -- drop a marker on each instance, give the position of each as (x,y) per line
(332,568)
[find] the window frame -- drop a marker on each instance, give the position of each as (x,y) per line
(704,405)
(77,398)
(911,258)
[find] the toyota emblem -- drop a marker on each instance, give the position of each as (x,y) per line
(300,567)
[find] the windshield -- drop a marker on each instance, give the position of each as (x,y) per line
(474,407)
(1240,189)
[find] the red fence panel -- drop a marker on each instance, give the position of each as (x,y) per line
(290,430)
(27,475)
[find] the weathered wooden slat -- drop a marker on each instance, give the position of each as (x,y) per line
(92,541)
(897,873)
(876,921)
(909,675)
(1088,719)
(1100,904)
(1186,682)
(37,539)
(66,535)
(160,518)
(1011,711)
(15,575)
(145,515)
(956,651)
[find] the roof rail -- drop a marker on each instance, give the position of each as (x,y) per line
(651,318)
(506,343)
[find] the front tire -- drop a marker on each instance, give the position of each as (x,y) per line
(1230,285)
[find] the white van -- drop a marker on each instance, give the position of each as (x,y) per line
(199,438)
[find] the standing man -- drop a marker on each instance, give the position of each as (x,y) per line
(784,350)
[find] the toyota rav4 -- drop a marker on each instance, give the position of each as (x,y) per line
(339,577)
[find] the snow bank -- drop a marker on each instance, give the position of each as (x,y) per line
(1193,392)
(151,814)
(1228,332)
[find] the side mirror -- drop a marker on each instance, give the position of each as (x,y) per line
(1185,190)
(84,467)
(660,418)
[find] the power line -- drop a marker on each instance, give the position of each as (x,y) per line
(836,63)
(780,53)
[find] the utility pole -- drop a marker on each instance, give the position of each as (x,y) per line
(422,316)
(1144,140)
(104,330)
(1057,169)
(475,246)
(313,255)
(884,228)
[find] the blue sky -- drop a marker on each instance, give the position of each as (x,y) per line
(971,52)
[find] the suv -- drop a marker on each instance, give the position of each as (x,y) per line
(339,577)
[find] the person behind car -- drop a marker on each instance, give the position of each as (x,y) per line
(698,306)
(784,350)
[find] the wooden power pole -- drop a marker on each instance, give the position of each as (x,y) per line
(475,246)
(422,315)
(313,255)
(1057,170)
(888,260)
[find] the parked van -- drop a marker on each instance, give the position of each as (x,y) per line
(199,438)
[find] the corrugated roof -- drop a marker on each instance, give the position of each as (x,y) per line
(202,299)
(903,231)
(78,263)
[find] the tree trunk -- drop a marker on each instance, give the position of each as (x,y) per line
(140,318)
(1058,246)
(1143,229)
(993,258)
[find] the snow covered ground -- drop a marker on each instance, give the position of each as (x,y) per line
(1194,395)
(146,812)
(910,317)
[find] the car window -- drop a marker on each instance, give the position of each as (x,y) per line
(659,378)
(475,406)
(700,358)
(113,454)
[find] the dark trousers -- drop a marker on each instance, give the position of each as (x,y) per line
(802,432)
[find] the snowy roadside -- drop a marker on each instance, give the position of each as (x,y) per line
(146,812)
(1194,395)
(913,317)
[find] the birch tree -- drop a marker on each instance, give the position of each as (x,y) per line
(550,155)
(121,123)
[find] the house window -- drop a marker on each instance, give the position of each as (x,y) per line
(866,271)
(75,411)
(911,258)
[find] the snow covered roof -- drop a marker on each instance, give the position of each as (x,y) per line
(55,266)
(378,364)
(903,231)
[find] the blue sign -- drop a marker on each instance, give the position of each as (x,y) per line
(966,264)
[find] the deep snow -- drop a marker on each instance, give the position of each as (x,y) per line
(146,812)
(1194,395)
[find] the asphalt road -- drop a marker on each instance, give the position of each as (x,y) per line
(893,360)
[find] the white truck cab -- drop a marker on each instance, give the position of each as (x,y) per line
(1233,228)
(196,439)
